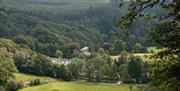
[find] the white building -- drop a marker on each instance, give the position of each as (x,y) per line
(60,61)
(86,51)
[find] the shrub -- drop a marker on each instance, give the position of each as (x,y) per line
(2,88)
(62,72)
(35,82)
(21,84)
(151,51)
(130,88)
(12,85)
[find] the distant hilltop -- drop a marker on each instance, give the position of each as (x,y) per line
(117,2)
(114,2)
(66,1)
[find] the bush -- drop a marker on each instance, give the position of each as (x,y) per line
(21,84)
(12,85)
(35,82)
(147,88)
(62,72)
(2,88)
(130,88)
(151,51)
(67,76)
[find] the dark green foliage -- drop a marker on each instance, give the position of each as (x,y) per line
(96,68)
(76,67)
(135,69)
(122,59)
(93,69)
(137,48)
(119,46)
(7,66)
(27,61)
(99,67)
(35,82)
(132,69)
(166,74)
(62,72)
(167,31)
(166,34)
(129,44)
(12,85)
(35,64)
(70,49)
(26,41)
(59,54)
(42,65)
(123,73)
(45,30)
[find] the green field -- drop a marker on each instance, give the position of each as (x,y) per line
(57,85)
(79,86)
(28,77)
(144,56)
(155,49)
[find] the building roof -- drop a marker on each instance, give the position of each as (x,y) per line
(60,61)
(85,48)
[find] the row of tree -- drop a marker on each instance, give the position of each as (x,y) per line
(97,67)
(130,45)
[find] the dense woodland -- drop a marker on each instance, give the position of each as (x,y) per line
(46,30)
(32,31)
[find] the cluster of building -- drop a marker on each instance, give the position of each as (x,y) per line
(85,51)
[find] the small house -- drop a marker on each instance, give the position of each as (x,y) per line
(86,51)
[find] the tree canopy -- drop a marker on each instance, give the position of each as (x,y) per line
(166,34)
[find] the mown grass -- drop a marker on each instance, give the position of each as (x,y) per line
(80,86)
(28,77)
(58,85)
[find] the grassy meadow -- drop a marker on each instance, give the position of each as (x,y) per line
(144,56)
(79,86)
(28,77)
(58,85)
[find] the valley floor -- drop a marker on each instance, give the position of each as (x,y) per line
(79,86)
(57,85)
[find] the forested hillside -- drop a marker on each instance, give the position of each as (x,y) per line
(46,26)
(99,45)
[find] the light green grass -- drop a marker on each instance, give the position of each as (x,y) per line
(144,56)
(57,85)
(80,86)
(155,49)
(28,77)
